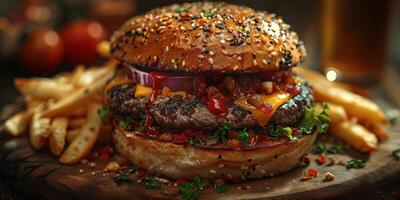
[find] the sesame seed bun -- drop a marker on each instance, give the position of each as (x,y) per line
(186,161)
(208,37)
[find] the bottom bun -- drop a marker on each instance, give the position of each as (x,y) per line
(185,161)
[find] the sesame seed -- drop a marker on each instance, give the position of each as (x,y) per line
(264,62)
(213,171)
(222,41)
(210,60)
(183,63)
(235,67)
(166,49)
(155,58)
(224,52)
(255,62)
(201,56)
(211,53)
(274,53)
(239,58)
(221,165)
(81,170)
(271,48)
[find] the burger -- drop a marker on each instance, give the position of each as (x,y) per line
(206,89)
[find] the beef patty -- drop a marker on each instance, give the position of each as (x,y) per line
(190,112)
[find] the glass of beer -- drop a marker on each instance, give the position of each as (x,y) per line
(354,39)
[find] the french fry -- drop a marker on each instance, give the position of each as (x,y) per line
(355,135)
(76,122)
(76,99)
(84,142)
(18,123)
(39,130)
(42,88)
(72,134)
(336,113)
(58,132)
(355,105)
(91,75)
(379,130)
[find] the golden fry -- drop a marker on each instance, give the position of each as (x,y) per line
(84,142)
(42,88)
(18,124)
(356,106)
(72,134)
(39,130)
(355,135)
(76,99)
(76,122)
(58,132)
(379,130)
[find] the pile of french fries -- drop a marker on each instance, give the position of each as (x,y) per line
(62,112)
(355,120)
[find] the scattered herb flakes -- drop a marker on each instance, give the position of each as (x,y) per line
(313,121)
(277,131)
(151,183)
(221,188)
(104,113)
(188,192)
(124,121)
(142,128)
(396,154)
(393,116)
(181,9)
(125,176)
(320,148)
(244,137)
(356,164)
(191,190)
(221,134)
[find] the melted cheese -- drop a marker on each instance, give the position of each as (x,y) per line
(142,91)
(275,100)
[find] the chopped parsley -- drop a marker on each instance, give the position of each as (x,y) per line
(221,134)
(277,131)
(221,188)
(125,176)
(335,149)
(151,183)
(191,190)
(396,154)
(213,11)
(124,121)
(104,113)
(244,137)
(142,128)
(181,9)
(356,164)
(313,121)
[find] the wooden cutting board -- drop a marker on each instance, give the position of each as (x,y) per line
(37,174)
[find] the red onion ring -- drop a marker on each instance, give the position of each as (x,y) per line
(172,82)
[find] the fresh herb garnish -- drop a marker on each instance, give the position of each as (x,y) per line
(142,128)
(221,188)
(396,154)
(220,134)
(104,113)
(356,163)
(125,176)
(191,190)
(181,9)
(337,149)
(277,131)
(320,149)
(244,137)
(124,121)
(313,121)
(213,11)
(151,183)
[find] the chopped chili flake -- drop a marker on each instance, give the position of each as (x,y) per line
(312,172)
(266,108)
(104,157)
(306,160)
(216,105)
(321,159)
(140,173)
(180,181)
(180,138)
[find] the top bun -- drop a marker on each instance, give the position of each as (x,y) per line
(208,37)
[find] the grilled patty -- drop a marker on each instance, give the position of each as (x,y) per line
(190,112)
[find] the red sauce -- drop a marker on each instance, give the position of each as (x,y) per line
(179,139)
(158,79)
(216,105)
(266,108)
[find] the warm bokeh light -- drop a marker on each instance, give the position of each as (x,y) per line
(331,74)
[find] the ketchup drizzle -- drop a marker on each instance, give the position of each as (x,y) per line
(158,79)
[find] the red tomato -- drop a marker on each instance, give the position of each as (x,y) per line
(80,39)
(42,51)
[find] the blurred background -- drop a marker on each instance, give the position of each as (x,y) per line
(350,40)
